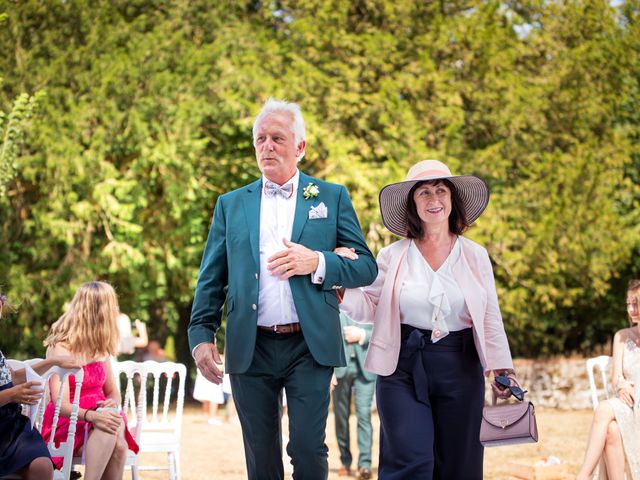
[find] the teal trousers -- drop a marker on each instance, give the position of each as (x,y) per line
(353,384)
(283,361)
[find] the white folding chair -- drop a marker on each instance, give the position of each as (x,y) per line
(162,426)
(132,406)
(601,363)
(65,449)
(18,364)
(134,402)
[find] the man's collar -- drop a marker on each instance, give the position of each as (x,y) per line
(295,180)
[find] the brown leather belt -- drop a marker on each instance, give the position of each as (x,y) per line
(286,328)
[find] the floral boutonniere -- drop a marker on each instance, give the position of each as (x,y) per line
(310,191)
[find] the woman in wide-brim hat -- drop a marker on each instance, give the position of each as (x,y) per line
(437,327)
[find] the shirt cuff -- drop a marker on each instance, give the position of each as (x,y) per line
(193,352)
(317,277)
(363,336)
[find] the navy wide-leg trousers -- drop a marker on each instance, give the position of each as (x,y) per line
(430,409)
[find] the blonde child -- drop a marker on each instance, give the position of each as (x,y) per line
(88,332)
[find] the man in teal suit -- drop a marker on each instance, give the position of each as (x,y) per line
(269,256)
(354,379)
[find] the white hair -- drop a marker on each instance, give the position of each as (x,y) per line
(282,106)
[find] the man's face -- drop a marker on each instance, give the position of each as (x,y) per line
(276,149)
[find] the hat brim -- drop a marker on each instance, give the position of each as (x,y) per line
(473,193)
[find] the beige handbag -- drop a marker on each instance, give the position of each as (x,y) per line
(508,424)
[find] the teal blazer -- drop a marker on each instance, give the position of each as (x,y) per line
(230,268)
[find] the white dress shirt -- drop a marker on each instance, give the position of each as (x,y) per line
(424,291)
(275,301)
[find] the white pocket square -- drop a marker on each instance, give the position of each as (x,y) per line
(318,212)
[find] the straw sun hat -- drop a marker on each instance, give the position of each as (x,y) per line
(473,193)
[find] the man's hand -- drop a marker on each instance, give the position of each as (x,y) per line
(208,361)
(353,334)
(334,383)
(296,259)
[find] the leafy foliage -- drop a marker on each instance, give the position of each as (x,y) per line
(147,119)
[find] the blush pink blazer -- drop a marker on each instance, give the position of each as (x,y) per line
(379,303)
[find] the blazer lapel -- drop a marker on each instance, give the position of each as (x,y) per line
(251,205)
(302,207)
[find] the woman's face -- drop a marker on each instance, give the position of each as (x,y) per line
(633,306)
(433,203)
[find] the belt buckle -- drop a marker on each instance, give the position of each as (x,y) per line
(275,328)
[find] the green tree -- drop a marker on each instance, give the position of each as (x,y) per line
(147,119)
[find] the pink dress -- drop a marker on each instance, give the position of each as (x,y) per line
(95,376)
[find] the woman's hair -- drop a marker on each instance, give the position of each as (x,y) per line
(457,219)
(634,286)
(90,325)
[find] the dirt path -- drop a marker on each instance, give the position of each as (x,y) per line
(216,452)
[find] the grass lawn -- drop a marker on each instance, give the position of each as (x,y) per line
(216,452)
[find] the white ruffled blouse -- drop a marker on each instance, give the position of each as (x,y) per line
(433,300)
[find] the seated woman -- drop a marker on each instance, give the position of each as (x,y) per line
(88,331)
(616,422)
(22,450)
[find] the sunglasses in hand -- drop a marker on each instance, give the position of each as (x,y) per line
(502,381)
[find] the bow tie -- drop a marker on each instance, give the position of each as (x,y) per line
(271,189)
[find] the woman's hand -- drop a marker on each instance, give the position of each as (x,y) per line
(625,393)
(106,421)
(345,252)
(349,253)
(500,390)
(107,403)
(28,393)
